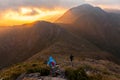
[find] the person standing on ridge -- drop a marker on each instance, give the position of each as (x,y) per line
(52,64)
(71,59)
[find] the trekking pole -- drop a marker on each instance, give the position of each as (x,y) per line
(71,63)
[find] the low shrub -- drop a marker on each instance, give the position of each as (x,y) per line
(76,74)
(44,71)
(96,77)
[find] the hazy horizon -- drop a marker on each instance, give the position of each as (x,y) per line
(27,11)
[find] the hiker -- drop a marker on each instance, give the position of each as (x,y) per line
(71,59)
(54,67)
(51,62)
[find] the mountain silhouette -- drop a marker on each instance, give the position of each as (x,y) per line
(94,24)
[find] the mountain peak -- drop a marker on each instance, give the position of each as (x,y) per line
(38,22)
(85,5)
(86,8)
(80,11)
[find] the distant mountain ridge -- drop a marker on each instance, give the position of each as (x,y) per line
(116,11)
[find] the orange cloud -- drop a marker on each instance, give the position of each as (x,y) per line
(28,15)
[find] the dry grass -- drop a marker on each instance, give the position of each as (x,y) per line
(14,71)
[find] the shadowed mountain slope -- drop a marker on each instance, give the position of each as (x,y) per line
(18,43)
(94,24)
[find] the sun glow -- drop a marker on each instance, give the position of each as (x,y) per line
(28,15)
(25,10)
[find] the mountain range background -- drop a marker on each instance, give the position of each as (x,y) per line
(84,31)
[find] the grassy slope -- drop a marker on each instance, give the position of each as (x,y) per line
(71,44)
(92,69)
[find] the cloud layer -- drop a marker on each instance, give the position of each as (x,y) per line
(14,4)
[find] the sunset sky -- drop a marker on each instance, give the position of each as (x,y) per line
(15,12)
